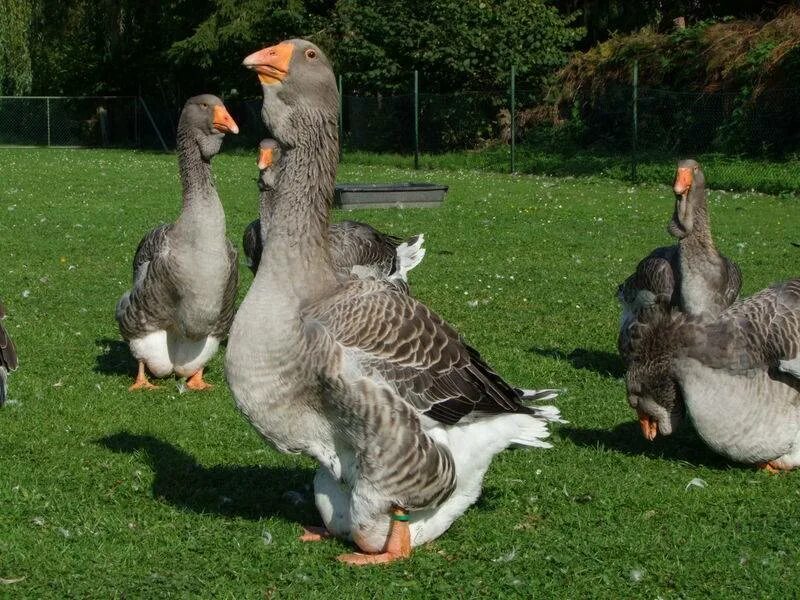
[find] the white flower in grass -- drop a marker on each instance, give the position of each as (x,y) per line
(506,557)
(696,482)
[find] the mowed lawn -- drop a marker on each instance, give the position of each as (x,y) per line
(106,493)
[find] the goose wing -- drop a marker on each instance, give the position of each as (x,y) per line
(229,295)
(354,243)
(652,287)
(148,304)
(378,332)
(8,356)
(762,331)
(733,282)
(151,246)
(252,245)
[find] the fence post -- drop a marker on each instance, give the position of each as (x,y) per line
(416,119)
(341,115)
(635,132)
(513,119)
(153,123)
(47,104)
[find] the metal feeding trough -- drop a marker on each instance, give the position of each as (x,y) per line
(382,195)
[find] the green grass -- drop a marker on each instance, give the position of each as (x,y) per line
(105,493)
(724,172)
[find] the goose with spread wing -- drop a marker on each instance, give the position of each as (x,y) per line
(692,277)
(738,373)
(403,417)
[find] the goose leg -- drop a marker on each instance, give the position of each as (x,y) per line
(196,383)
(398,546)
(141,382)
(314,534)
(772,467)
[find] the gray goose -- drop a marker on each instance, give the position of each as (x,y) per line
(185,273)
(738,373)
(8,357)
(403,417)
(692,277)
(356,248)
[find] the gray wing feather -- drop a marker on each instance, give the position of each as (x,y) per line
(354,243)
(759,332)
(8,357)
(229,296)
(252,245)
(149,304)
(388,333)
(151,245)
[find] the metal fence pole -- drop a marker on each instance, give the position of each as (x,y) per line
(47,105)
(635,132)
(341,114)
(513,119)
(416,119)
(153,123)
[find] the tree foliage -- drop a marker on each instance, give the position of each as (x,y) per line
(455,44)
(16,19)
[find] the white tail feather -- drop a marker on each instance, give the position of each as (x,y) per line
(409,254)
(538,395)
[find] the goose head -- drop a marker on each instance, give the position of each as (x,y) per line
(690,197)
(268,156)
(299,88)
(652,389)
(206,120)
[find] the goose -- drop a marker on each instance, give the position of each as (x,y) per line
(692,277)
(8,357)
(185,273)
(738,374)
(402,416)
(356,248)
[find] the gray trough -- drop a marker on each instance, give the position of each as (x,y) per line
(383,195)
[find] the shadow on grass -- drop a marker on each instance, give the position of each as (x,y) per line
(250,492)
(113,358)
(683,446)
(601,362)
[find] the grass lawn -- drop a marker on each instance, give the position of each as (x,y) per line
(723,172)
(106,493)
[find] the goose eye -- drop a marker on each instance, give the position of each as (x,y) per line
(311,53)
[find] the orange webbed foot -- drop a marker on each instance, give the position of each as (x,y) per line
(141,382)
(772,467)
(314,534)
(196,383)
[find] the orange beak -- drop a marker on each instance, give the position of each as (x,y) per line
(648,424)
(271,64)
(223,121)
(264,158)
(683,181)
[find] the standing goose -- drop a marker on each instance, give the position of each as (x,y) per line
(356,248)
(692,277)
(739,374)
(403,417)
(185,273)
(8,357)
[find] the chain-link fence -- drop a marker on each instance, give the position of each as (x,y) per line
(110,121)
(625,132)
